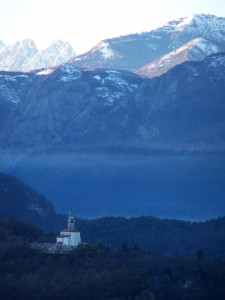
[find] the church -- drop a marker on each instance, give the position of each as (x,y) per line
(69,236)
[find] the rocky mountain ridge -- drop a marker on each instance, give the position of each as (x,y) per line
(195,50)
(68,106)
(133,51)
(25,56)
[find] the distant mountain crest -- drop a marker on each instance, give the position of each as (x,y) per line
(195,50)
(25,56)
(131,52)
(57,53)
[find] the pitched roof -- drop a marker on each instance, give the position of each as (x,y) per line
(69,230)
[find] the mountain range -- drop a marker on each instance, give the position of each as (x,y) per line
(149,53)
(200,35)
(112,142)
(25,56)
(104,140)
(72,108)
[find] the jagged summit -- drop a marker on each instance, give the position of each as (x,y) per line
(15,57)
(57,53)
(25,56)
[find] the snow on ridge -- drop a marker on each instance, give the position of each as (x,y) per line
(116,79)
(199,23)
(13,78)
(112,71)
(69,73)
(97,77)
(70,69)
(105,49)
(109,96)
(206,46)
(184,22)
(45,72)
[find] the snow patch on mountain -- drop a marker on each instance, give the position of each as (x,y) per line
(183,23)
(97,77)
(105,50)
(9,94)
(69,73)
(118,81)
(45,72)
(108,96)
(12,86)
(112,86)
(217,61)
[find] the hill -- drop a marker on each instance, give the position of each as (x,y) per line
(20,201)
(157,236)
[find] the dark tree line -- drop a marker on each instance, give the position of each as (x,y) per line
(98,272)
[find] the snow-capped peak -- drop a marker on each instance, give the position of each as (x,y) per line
(26,43)
(195,23)
(62,47)
(57,53)
(24,55)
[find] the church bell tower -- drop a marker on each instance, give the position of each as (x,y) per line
(71,222)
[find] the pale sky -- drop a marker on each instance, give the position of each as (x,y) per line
(84,23)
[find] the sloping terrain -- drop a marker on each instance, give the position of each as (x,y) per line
(195,50)
(131,52)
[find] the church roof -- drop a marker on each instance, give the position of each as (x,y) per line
(69,230)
